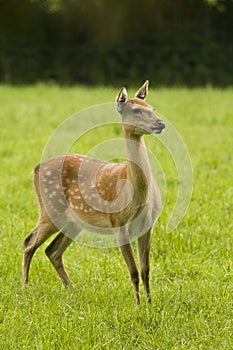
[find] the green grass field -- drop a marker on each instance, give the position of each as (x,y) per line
(191,267)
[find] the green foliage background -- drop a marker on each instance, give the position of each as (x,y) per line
(112,42)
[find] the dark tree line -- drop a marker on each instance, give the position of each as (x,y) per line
(109,42)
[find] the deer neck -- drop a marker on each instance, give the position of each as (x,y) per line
(139,169)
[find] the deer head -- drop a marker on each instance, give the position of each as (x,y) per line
(138,117)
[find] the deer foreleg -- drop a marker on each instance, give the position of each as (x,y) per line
(144,259)
(128,255)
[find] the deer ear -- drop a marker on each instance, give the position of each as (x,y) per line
(122,95)
(143,91)
(121,99)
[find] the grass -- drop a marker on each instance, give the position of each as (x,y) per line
(191,267)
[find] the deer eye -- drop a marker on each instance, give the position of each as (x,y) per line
(137,111)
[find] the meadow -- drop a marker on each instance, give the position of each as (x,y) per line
(191,267)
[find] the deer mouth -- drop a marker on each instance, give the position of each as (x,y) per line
(157,130)
(160,126)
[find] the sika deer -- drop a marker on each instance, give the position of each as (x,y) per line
(75,192)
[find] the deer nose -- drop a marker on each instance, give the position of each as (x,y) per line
(161,124)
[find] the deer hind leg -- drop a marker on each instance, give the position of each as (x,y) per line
(30,244)
(144,259)
(55,251)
